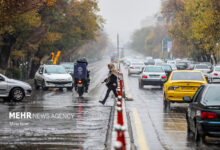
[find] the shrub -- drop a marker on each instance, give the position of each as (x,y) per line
(13,72)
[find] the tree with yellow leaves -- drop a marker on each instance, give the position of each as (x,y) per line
(195,25)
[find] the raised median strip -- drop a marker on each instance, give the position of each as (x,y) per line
(120,136)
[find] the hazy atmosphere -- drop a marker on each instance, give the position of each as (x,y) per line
(66,83)
(124,16)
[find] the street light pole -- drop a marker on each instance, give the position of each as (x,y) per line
(118,50)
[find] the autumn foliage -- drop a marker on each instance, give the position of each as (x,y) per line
(31,29)
(195,27)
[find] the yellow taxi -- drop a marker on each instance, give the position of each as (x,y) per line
(182,83)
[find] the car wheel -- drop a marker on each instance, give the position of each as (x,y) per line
(44,86)
(35,85)
(17,94)
(129,73)
(196,134)
(166,104)
(188,125)
(70,88)
(140,85)
(211,80)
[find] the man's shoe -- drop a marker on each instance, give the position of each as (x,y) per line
(101,102)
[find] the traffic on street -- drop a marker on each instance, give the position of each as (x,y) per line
(109,75)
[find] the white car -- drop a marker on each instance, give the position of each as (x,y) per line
(53,76)
(135,68)
(204,69)
(152,75)
(11,89)
(171,62)
(173,66)
(215,75)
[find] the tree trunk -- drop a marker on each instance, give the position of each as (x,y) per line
(5,51)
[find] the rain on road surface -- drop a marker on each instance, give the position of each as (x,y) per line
(161,130)
(86,130)
(89,128)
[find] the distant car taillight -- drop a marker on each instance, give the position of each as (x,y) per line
(209,115)
(80,81)
(144,76)
(131,67)
(215,74)
(164,77)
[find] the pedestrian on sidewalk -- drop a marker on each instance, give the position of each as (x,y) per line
(111,82)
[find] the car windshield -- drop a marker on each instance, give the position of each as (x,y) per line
(212,96)
(187,76)
(207,63)
(3,76)
(55,70)
(171,62)
(137,64)
(150,61)
(153,69)
(181,64)
(202,67)
(166,68)
(67,65)
(217,69)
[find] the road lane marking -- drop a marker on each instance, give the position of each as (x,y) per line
(140,132)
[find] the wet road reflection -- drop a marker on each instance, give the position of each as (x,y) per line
(86,127)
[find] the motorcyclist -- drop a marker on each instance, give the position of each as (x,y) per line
(86,81)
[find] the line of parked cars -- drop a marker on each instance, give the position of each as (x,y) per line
(186,82)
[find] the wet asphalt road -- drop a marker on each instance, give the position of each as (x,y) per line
(86,127)
(89,125)
(163,131)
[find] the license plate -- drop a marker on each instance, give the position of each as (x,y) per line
(188,88)
(59,85)
(216,80)
(79,85)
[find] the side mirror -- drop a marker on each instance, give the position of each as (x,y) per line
(187,99)
(40,72)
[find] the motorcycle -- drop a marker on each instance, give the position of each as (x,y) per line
(80,88)
(81,77)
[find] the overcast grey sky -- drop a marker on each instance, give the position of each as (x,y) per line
(124,16)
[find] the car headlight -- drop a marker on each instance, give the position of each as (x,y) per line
(70,79)
(47,79)
(173,87)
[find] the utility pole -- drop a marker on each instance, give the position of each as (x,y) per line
(118,46)
(118,52)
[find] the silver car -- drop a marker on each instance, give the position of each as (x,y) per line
(11,89)
(69,66)
(204,69)
(135,68)
(152,75)
(215,75)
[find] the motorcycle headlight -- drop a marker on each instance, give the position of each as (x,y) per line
(173,87)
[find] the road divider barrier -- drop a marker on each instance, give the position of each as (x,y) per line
(120,136)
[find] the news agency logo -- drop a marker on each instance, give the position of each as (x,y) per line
(41,116)
(20,115)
